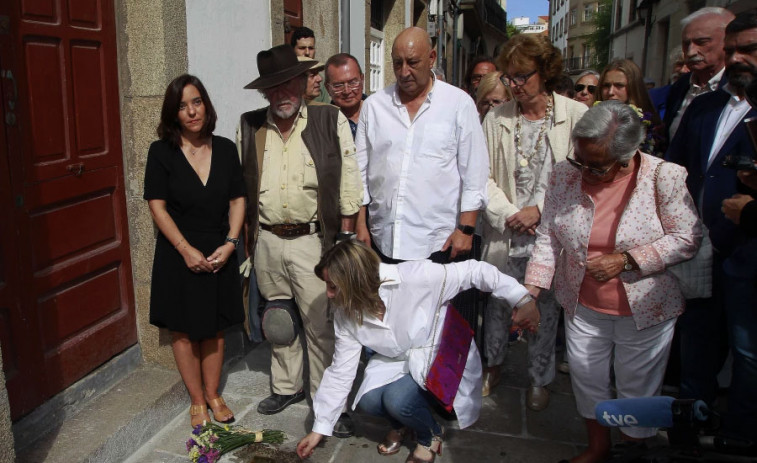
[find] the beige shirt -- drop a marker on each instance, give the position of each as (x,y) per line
(289,183)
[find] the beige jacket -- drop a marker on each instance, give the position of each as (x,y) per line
(499,128)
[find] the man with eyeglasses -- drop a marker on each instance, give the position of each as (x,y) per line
(344,82)
(423,159)
(479,67)
(303,192)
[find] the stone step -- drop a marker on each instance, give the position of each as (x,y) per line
(111,426)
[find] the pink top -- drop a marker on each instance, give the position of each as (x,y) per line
(610,200)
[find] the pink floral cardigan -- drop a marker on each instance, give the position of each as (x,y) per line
(563,238)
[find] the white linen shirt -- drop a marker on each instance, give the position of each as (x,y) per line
(401,341)
(419,175)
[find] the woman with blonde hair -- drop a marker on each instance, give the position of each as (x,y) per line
(622,81)
(526,137)
(394,310)
(491,92)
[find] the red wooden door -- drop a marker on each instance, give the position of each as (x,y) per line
(68,304)
(292,17)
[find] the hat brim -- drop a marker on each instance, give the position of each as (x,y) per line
(277,78)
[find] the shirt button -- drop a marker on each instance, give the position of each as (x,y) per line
(283,186)
(346,151)
(284,167)
(284,205)
(285,149)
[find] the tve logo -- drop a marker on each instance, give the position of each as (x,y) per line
(619,420)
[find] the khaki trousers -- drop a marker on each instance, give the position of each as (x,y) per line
(284,269)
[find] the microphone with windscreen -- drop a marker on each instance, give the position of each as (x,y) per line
(650,412)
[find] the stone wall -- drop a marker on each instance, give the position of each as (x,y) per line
(152,50)
(7,452)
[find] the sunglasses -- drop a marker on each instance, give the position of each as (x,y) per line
(580,88)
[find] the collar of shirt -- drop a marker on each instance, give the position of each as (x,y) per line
(396,96)
(731,91)
(711,84)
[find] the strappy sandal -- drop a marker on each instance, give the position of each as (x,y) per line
(439,439)
(198,415)
(392,442)
(221,412)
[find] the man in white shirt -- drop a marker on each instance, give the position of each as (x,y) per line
(423,159)
(710,130)
(702,43)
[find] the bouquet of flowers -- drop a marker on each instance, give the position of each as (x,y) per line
(209,440)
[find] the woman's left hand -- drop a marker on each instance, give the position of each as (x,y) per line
(307,444)
(525,220)
(527,316)
(220,256)
(605,267)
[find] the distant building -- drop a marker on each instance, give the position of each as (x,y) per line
(571,22)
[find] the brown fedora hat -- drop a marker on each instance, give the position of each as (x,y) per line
(276,66)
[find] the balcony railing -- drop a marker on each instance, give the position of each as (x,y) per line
(580,63)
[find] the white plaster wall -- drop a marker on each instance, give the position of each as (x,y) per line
(223,40)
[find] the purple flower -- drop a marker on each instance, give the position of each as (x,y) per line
(191,443)
(203,459)
(197,430)
(213,438)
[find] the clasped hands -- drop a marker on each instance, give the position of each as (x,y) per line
(198,263)
(605,267)
(525,220)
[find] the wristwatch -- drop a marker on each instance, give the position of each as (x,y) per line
(234,241)
(466,229)
(345,236)
(626,262)
(524,300)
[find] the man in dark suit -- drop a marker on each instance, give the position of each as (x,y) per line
(702,44)
(711,129)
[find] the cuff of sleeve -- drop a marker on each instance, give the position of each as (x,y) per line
(647,259)
(473,201)
(322,426)
(350,208)
(512,295)
(539,275)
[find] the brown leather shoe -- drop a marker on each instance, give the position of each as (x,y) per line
(492,376)
(537,398)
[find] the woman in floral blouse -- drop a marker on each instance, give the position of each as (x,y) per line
(614,220)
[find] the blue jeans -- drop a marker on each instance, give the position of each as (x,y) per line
(741,318)
(403,403)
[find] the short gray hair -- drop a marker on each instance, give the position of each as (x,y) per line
(725,15)
(588,73)
(614,125)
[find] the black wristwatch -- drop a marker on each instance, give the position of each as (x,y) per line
(345,236)
(466,229)
(234,241)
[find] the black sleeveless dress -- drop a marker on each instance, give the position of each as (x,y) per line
(198,304)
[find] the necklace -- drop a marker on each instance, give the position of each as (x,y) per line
(192,151)
(539,139)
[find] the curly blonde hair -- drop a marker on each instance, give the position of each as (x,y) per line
(524,49)
(354,270)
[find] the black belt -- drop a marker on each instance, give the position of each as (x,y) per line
(290,230)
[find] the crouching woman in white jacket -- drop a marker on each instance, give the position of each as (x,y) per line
(390,309)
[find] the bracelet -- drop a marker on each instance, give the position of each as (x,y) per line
(177,244)
(234,241)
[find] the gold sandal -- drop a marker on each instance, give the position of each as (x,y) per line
(218,405)
(392,442)
(198,415)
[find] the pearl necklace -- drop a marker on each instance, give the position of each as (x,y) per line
(539,140)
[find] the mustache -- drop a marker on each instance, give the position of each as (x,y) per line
(694,59)
(739,67)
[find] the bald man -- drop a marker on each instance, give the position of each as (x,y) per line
(423,159)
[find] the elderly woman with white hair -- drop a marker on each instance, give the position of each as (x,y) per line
(586,87)
(614,220)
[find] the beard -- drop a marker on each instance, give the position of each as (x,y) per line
(740,75)
(288,111)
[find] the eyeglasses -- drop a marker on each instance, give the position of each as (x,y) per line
(341,87)
(490,103)
(476,78)
(592,170)
(518,80)
(580,88)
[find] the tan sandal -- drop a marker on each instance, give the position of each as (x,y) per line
(221,412)
(198,415)
(433,449)
(392,442)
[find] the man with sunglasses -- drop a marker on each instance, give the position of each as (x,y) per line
(344,82)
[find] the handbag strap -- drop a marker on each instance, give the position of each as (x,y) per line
(436,317)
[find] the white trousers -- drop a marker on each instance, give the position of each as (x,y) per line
(596,341)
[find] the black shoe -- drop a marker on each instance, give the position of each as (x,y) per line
(344,426)
(275,403)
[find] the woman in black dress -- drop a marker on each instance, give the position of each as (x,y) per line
(195,190)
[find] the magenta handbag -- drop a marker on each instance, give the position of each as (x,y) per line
(445,373)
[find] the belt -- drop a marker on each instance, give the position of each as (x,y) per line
(290,230)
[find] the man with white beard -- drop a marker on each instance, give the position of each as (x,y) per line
(303,194)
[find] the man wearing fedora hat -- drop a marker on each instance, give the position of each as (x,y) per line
(303,193)
(313,86)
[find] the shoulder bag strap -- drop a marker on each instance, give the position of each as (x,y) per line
(436,318)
